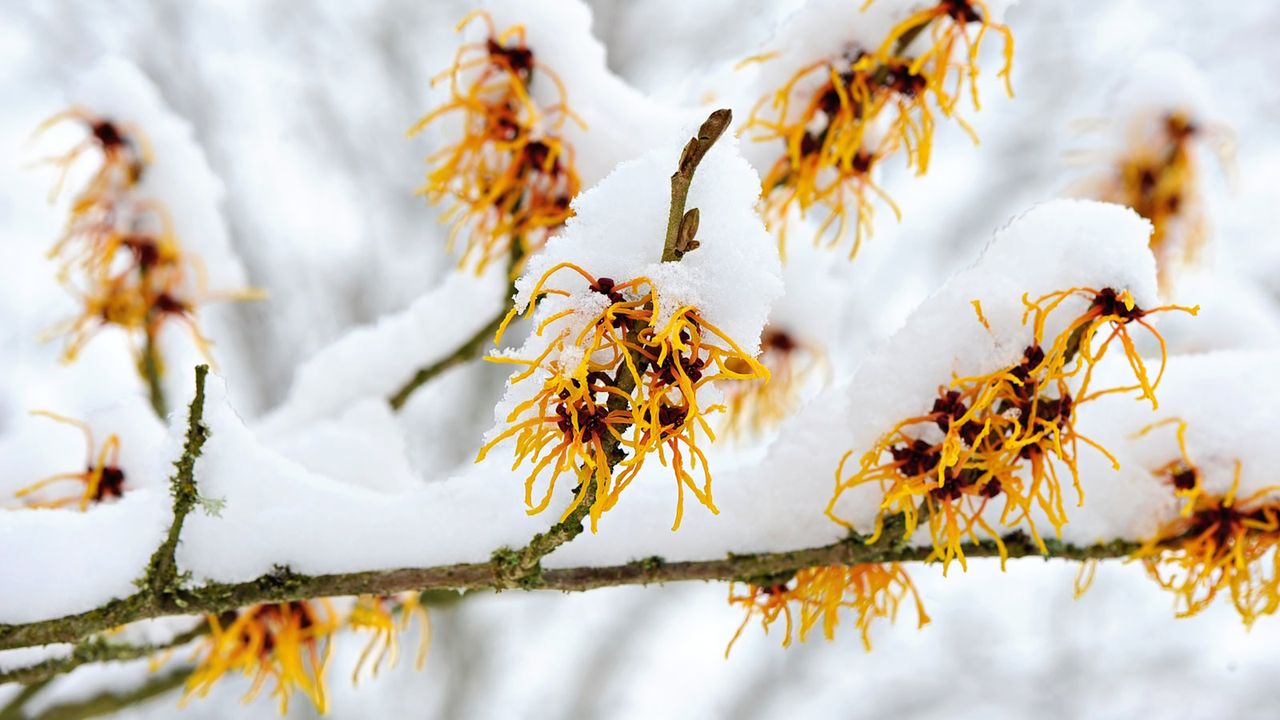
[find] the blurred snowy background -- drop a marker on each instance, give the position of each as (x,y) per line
(302,110)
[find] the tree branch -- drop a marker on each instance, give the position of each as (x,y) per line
(682,226)
(162,571)
(471,348)
(109,702)
(151,373)
(283,585)
(13,709)
(161,592)
(95,650)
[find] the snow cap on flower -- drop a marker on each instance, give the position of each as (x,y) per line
(1056,245)
(733,276)
(628,349)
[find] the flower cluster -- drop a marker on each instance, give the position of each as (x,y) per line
(753,407)
(377,615)
(1000,437)
(102,477)
(1220,543)
(1157,175)
(287,642)
(838,118)
(948,27)
(118,254)
(511,177)
(620,379)
(821,594)
(290,643)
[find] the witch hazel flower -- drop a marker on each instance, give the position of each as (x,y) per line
(793,348)
(525,115)
(943,40)
(385,618)
(291,643)
(755,406)
(121,154)
(1002,437)
(1181,474)
(510,175)
(635,328)
(848,87)
(990,449)
(102,478)
(119,254)
(1221,542)
(822,595)
(1161,126)
(288,643)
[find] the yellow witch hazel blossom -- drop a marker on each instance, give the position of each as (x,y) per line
(632,372)
(998,440)
(1223,543)
(1182,475)
(1223,540)
(754,407)
(510,176)
(118,254)
(377,615)
(627,352)
(1159,176)
(102,477)
(1160,126)
(829,121)
(951,33)
(820,595)
(289,643)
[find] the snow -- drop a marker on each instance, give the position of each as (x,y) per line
(66,567)
(374,361)
(363,445)
(618,231)
(276,511)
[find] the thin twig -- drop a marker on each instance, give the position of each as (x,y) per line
(152,374)
(13,710)
(470,348)
(162,570)
(109,702)
(96,649)
(673,248)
